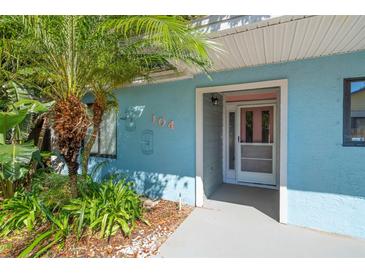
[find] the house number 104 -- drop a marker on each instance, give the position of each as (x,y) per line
(161,122)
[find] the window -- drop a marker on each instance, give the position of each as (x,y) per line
(232,139)
(249,126)
(265,131)
(354,112)
(106,141)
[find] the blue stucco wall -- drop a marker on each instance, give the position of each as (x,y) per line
(326,181)
(170,170)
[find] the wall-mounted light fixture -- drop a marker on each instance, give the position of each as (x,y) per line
(215,100)
(130,124)
(130,116)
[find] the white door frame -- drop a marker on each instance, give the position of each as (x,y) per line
(283,104)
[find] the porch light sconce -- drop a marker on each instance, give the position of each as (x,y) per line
(215,100)
(130,124)
(130,116)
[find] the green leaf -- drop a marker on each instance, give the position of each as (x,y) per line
(25,253)
(103,225)
(81,219)
(124,226)
(12,171)
(33,105)
(30,220)
(17,153)
(9,120)
(58,237)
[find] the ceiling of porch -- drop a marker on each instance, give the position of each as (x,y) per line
(270,40)
(288,38)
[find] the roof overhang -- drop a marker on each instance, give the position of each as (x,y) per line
(278,39)
(288,38)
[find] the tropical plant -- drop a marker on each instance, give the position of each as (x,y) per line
(18,108)
(55,235)
(111,208)
(75,55)
(26,210)
(51,188)
(22,210)
(104,208)
(15,153)
(146,44)
(29,209)
(14,161)
(14,157)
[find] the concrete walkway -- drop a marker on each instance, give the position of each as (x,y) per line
(234,224)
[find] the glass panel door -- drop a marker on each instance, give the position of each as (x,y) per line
(255,147)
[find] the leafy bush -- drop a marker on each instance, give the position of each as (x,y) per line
(15,153)
(56,234)
(110,208)
(52,188)
(104,208)
(22,210)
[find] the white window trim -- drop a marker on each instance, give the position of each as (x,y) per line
(283,104)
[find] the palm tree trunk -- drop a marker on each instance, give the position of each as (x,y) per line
(42,133)
(98,111)
(70,126)
(72,173)
(87,150)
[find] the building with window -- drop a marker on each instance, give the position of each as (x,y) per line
(283,110)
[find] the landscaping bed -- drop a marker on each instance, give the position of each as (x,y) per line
(144,241)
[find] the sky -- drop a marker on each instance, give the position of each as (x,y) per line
(355,86)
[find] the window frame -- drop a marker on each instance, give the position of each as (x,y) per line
(347,142)
(102,155)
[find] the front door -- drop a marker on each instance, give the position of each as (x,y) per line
(255,147)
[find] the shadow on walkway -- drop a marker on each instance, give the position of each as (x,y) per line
(264,200)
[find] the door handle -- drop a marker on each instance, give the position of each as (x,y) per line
(238,138)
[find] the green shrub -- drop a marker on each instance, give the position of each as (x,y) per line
(22,210)
(51,188)
(87,186)
(105,208)
(110,208)
(56,234)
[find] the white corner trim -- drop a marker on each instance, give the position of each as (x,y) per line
(199,190)
(283,85)
(283,214)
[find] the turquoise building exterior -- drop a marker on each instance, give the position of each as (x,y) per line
(325,179)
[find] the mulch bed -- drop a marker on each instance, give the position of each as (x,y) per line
(145,240)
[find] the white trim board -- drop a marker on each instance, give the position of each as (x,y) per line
(283,104)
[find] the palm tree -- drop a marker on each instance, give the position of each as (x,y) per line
(74,55)
(63,48)
(146,44)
